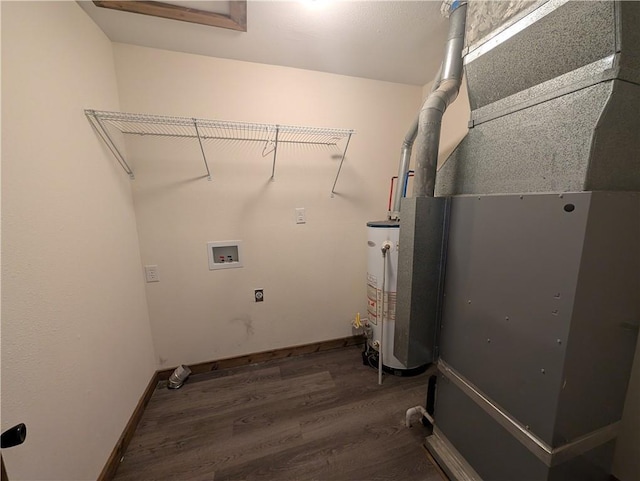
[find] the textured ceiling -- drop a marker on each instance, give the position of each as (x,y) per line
(401,41)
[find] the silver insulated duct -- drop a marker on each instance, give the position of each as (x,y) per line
(554,99)
(540,308)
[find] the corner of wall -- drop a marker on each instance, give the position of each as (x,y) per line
(77,351)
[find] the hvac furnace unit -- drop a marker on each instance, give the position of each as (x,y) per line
(535,323)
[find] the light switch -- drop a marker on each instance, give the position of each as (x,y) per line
(301,216)
(151,273)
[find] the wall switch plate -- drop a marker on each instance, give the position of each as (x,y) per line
(258,294)
(151,273)
(301,216)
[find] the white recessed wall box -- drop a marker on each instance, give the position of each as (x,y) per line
(225,254)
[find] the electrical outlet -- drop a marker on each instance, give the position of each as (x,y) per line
(258,294)
(151,273)
(301,216)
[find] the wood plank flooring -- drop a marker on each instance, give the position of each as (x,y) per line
(320,416)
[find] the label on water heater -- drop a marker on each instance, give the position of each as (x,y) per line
(372,299)
(390,304)
(374,302)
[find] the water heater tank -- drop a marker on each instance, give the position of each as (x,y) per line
(379,232)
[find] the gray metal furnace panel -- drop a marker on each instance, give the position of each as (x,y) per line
(629,13)
(594,465)
(512,268)
(492,452)
(575,34)
(544,148)
(615,159)
(420,262)
(591,74)
(497,456)
(605,320)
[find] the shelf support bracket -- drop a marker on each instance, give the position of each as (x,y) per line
(275,155)
(344,153)
(101,130)
(204,157)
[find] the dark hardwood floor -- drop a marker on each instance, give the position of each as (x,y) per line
(319,416)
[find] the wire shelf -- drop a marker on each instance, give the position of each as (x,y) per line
(202,129)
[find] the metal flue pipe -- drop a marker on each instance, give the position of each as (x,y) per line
(430,118)
(405,157)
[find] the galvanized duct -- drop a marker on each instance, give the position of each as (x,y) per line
(440,97)
(430,119)
(422,226)
(554,97)
(405,155)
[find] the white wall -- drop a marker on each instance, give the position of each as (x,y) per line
(313,275)
(76,343)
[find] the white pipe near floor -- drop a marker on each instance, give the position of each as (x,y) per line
(385,248)
(411,412)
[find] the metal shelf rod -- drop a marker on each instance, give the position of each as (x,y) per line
(106,138)
(275,154)
(204,157)
(333,189)
(211,137)
(183,127)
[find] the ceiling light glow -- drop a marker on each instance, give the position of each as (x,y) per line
(315,4)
